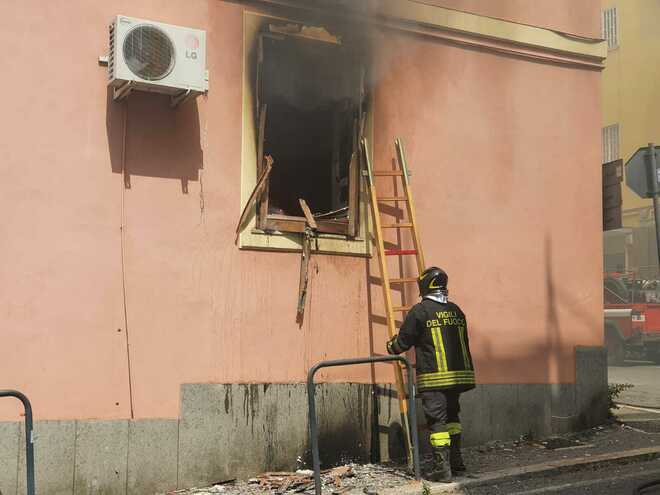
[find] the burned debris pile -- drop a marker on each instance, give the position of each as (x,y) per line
(335,481)
(301,481)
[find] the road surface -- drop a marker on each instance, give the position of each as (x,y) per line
(607,480)
(615,479)
(645,376)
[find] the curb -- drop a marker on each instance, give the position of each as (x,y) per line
(638,407)
(551,467)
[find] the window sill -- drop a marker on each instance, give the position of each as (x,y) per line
(296,225)
(258,239)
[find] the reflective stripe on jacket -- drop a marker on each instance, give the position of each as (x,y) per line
(438,331)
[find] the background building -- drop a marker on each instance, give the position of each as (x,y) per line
(631,104)
(158,353)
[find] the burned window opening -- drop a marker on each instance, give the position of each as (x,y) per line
(310,96)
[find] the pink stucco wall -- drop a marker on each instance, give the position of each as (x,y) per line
(505,158)
(506,177)
(568,16)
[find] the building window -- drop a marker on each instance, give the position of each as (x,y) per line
(276,227)
(611,143)
(609,28)
(310,114)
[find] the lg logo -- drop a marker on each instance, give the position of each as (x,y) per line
(192,45)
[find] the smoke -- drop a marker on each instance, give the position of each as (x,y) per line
(355,23)
(350,20)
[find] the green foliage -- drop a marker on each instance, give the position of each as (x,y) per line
(425,489)
(528,437)
(613,391)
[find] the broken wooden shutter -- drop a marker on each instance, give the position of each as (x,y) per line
(354,184)
(262,208)
(354,169)
(261,113)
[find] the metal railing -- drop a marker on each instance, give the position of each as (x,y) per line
(29,436)
(313,425)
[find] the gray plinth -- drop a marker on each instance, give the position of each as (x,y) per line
(101,458)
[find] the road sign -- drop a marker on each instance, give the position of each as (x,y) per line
(640,175)
(643,177)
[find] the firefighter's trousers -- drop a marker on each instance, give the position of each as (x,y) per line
(441,408)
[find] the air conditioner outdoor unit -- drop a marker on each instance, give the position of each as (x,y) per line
(151,56)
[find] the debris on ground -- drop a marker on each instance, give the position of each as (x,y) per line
(558,443)
(496,455)
(366,478)
(217,487)
(300,481)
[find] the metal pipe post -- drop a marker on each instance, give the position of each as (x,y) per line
(412,417)
(653,172)
(29,436)
(313,426)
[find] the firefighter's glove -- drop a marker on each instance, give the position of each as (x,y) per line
(393,346)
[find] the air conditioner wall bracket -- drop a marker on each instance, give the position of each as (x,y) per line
(177,100)
(123,91)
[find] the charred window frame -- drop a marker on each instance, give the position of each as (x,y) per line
(310,116)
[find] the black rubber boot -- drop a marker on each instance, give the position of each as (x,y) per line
(441,467)
(455,456)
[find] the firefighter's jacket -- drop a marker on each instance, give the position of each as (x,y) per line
(438,331)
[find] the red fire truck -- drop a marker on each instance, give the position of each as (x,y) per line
(632,317)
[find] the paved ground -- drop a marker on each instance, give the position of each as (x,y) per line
(633,416)
(600,479)
(614,480)
(645,376)
(596,441)
(508,460)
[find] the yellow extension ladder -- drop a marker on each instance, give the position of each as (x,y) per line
(410,223)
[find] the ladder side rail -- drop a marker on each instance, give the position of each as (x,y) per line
(401,156)
(385,279)
(378,234)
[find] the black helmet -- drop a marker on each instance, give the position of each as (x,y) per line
(433,279)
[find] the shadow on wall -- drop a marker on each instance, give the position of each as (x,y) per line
(553,331)
(148,138)
(549,408)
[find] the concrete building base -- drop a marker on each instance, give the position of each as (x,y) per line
(227,431)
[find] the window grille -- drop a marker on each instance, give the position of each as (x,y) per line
(611,143)
(609,28)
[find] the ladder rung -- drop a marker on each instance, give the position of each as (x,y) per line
(397,226)
(392,198)
(409,280)
(401,308)
(397,252)
(395,173)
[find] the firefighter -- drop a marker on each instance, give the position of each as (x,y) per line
(437,329)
